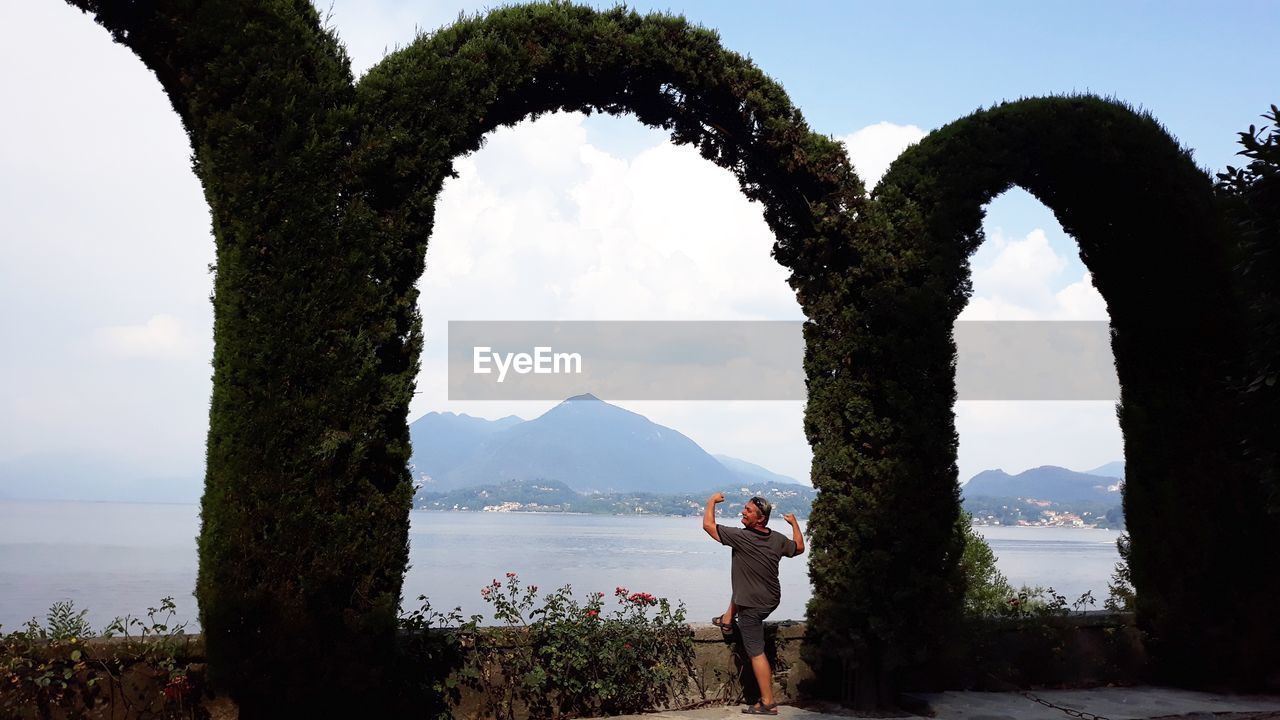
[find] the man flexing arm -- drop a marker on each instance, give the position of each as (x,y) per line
(795,531)
(709,516)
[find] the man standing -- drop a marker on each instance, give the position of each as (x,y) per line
(756,591)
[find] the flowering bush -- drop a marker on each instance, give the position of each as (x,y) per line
(50,671)
(560,658)
(1037,603)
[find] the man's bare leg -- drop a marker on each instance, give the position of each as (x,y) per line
(764,678)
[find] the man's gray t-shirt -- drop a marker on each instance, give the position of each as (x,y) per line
(755,564)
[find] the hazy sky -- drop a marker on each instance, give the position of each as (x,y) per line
(106,324)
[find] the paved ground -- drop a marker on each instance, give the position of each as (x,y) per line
(1114,703)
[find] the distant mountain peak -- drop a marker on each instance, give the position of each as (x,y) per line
(1114,469)
(1047,482)
(584,442)
(753,473)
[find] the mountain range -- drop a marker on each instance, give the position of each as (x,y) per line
(588,445)
(583,453)
(1049,482)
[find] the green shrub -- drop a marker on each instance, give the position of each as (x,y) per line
(1120,593)
(987,590)
(562,658)
(50,671)
(434,653)
(1251,198)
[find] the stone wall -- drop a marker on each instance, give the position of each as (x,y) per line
(1081,650)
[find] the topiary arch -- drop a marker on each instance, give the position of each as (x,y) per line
(322,193)
(1150,232)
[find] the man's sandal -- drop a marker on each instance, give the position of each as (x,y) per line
(761,709)
(726,628)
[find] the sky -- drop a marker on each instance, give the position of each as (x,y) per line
(105,244)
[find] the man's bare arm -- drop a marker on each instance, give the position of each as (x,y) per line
(795,532)
(709,516)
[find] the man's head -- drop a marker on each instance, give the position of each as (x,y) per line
(755,512)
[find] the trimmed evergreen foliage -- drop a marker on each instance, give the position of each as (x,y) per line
(1251,199)
(323,195)
(304,535)
(1149,231)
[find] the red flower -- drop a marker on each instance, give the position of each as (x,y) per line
(177,687)
(511,574)
(592,613)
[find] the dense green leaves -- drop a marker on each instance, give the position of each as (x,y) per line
(1251,198)
(1151,233)
(323,195)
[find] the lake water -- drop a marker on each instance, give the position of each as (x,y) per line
(120,558)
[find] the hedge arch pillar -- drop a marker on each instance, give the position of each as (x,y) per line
(1150,233)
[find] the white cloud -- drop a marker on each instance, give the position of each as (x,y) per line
(161,336)
(1016,280)
(105,222)
(1080,301)
(567,230)
(371,30)
(1016,436)
(873,148)
(540,224)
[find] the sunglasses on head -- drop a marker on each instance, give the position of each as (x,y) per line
(759,503)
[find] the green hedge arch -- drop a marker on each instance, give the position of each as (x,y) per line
(1152,235)
(322,192)
(455,86)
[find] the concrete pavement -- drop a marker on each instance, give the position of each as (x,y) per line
(1131,703)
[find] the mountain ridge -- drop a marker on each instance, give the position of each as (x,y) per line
(1047,482)
(591,446)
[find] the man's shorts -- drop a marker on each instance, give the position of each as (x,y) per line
(751,626)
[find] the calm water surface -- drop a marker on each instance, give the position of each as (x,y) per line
(121,558)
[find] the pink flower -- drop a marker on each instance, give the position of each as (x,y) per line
(592,613)
(511,574)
